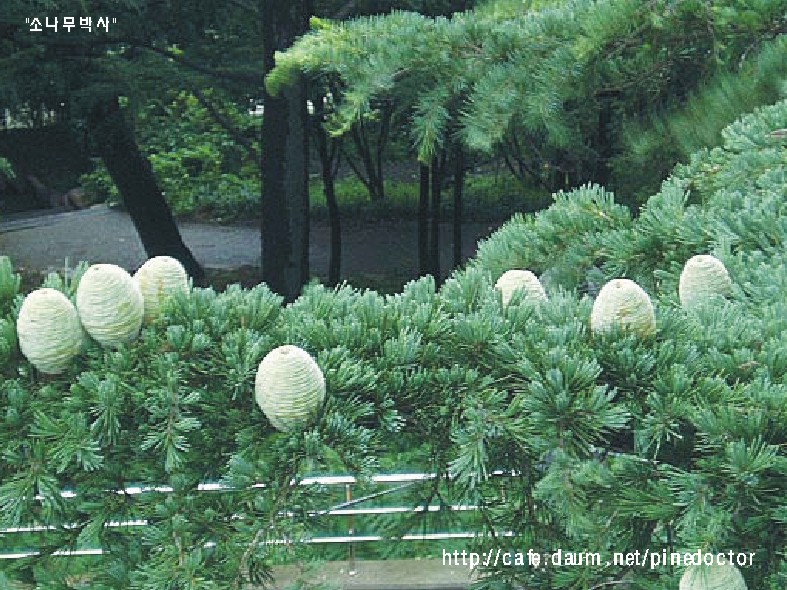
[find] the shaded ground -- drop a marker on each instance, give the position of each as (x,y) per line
(392,574)
(379,254)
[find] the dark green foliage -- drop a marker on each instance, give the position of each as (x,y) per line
(653,147)
(9,284)
(201,168)
(561,438)
(6,169)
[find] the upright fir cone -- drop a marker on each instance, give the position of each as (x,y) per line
(704,277)
(712,577)
(623,304)
(110,304)
(159,278)
(515,280)
(48,330)
(289,387)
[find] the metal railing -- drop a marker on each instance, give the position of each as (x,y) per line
(348,508)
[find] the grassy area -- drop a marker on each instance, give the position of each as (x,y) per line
(486,197)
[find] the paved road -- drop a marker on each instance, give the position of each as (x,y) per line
(101,234)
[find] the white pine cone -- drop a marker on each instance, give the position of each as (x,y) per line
(289,387)
(160,278)
(48,329)
(622,303)
(704,277)
(110,304)
(516,280)
(712,577)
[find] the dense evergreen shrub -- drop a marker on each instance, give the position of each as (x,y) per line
(670,441)
(695,467)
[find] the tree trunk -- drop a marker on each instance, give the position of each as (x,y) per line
(382,141)
(133,175)
(438,165)
(424,263)
(459,181)
(603,143)
(370,172)
(284,167)
(334,220)
(370,166)
(328,163)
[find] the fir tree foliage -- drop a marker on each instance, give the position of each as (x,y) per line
(699,394)
(10,282)
(551,80)
(561,439)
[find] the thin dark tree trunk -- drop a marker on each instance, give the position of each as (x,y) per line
(133,175)
(329,158)
(284,167)
(334,220)
(424,263)
(438,165)
(370,166)
(603,143)
(381,143)
(459,181)
(372,178)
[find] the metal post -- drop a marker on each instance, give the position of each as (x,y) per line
(348,496)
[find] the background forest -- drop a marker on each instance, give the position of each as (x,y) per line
(620,138)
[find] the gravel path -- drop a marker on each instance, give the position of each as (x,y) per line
(101,234)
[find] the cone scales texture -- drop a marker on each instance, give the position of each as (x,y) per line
(110,304)
(289,387)
(515,280)
(624,304)
(158,279)
(703,278)
(714,577)
(48,329)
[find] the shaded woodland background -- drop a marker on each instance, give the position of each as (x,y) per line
(416,113)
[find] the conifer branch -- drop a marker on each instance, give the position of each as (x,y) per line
(285,490)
